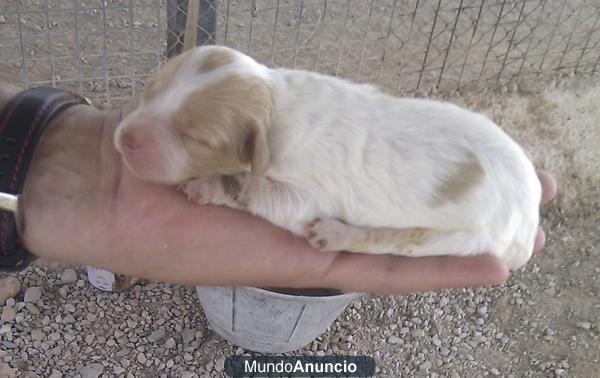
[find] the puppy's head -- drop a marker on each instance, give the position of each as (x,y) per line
(205,112)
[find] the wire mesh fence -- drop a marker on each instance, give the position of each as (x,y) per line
(106,49)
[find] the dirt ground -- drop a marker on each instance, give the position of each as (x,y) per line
(543,322)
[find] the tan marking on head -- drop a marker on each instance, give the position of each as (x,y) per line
(160,81)
(223,127)
(216,57)
(467,174)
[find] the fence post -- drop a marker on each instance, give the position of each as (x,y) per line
(176,17)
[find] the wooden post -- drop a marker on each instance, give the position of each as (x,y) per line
(177,11)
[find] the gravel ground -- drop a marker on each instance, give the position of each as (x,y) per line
(542,322)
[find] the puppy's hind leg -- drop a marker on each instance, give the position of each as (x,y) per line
(333,235)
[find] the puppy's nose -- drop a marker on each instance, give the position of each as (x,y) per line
(131,141)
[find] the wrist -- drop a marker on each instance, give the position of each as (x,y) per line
(24,119)
(66,189)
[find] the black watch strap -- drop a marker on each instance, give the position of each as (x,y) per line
(22,124)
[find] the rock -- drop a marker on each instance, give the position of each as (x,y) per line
(2,19)
(188,335)
(5,329)
(37,334)
(118,370)
(560,373)
(68,276)
(394,340)
(64,291)
(189,374)
(7,371)
(584,325)
(69,319)
(170,343)
(157,335)
(9,287)
(32,294)
(141,358)
(8,314)
(482,310)
(425,366)
(91,371)
(55,374)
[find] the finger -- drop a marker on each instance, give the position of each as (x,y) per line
(395,274)
(540,240)
(549,186)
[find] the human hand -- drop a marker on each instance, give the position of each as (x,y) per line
(83,206)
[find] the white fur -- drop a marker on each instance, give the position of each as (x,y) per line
(345,151)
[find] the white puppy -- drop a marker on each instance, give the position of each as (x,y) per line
(343,164)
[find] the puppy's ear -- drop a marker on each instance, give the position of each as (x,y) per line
(257,150)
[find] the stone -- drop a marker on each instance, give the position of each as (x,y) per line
(394,340)
(91,371)
(8,314)
(170,343)
(584,325)
(188,335)
(37,334)
(68,276)
(9,287)
(32,294)
(157,335)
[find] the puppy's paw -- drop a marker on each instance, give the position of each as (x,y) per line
(327,234)
(204,190)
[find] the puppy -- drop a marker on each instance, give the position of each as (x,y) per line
(345,165)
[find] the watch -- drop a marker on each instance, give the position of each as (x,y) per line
(23,121)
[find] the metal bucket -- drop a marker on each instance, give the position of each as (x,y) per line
(271,321)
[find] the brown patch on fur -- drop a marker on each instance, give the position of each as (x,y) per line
(403,239)
(231,186)
(164,77)
(412,237)
(223,127)
(218,57)
(322,243)
(468,174)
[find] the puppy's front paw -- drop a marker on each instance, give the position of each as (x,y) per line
(204,190)
(327,234)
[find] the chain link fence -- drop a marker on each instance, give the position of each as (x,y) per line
(106,49)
